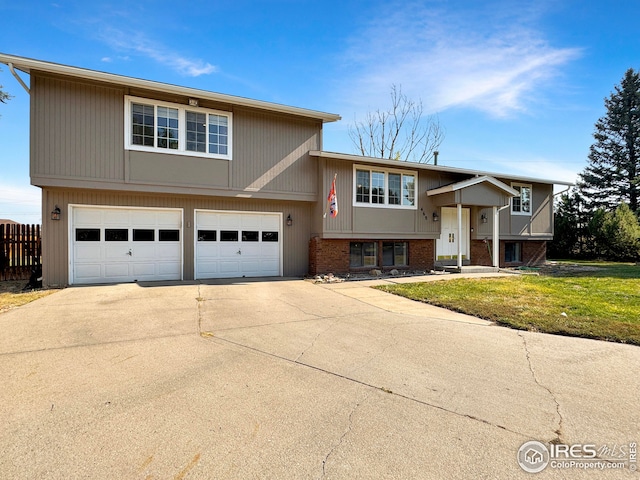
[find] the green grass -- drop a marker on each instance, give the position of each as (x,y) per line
(599,300)
(12,295)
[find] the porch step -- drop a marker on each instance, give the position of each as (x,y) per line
(470,269)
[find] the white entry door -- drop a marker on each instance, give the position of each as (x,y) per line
(237,244)
(447,244)
(114,245)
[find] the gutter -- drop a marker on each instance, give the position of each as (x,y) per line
(20,81)
(563,191)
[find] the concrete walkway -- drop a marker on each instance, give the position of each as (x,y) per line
(284,379)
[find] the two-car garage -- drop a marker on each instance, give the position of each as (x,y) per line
(129,244)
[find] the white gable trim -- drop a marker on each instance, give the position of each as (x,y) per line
(474,181)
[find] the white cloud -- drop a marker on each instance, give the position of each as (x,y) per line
(451,58)
(137,43)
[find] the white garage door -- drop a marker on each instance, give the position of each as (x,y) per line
(237,244)
(111,245)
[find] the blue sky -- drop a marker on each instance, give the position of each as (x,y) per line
(517,85)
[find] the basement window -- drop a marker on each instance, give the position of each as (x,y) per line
(363,254)
(513,252)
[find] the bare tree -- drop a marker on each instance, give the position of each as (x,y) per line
(4,96)
(400,133)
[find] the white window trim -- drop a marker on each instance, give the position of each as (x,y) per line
(526,185)
(386,172)
(182,129)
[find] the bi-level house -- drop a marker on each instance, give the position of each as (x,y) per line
(146,181)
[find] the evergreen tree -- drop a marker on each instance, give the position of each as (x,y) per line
(613,175)
(616,235)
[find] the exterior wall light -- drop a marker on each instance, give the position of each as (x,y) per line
(484,218)
(289,221)
(436,217)
(55,213)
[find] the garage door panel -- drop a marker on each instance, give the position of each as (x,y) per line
(143,269)
(206,269)
(227,267)
(228,221)
(115,217)
(116,270)
(116,253)
(89,271)
(168,270)
(87,252)
(208,250)
(270,223)
(250,249)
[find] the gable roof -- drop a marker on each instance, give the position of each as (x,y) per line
(434,168)
(474,181)
(28,64)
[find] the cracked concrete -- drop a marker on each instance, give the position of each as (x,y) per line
(287,379)
(559,438)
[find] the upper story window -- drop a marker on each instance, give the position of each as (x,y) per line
(521,205)
(375,187)
(165,127)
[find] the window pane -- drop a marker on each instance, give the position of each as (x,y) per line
(512,252)
(387,254)
(355,254)
(218,139)
(400,254)
(116,234)
(87,234)
(394,188)
(525,194)
(143,235)
(394,254)
(167,128)
(362,186)
(228,235)
(377,187)
(207,235)
(369,254)
(141,116)
(250,236)
(169,235)
(269,236)
(196,128)
(408,190)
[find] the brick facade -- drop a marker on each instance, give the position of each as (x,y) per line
(534,252)
(332,255)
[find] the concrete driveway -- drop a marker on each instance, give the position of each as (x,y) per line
(285,379)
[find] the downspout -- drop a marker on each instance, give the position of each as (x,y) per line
(496,234)
(553,209)
(20,81)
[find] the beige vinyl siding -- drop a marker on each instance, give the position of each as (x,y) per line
(371,222)
(55,242)
(539,224)
(78,140)
(271,153)
(76,130)
(163,169)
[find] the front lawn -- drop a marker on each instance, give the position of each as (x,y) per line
(12,294)
(589,299)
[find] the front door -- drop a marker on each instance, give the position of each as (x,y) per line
(447,244)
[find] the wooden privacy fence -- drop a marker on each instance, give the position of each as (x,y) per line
(20,251)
